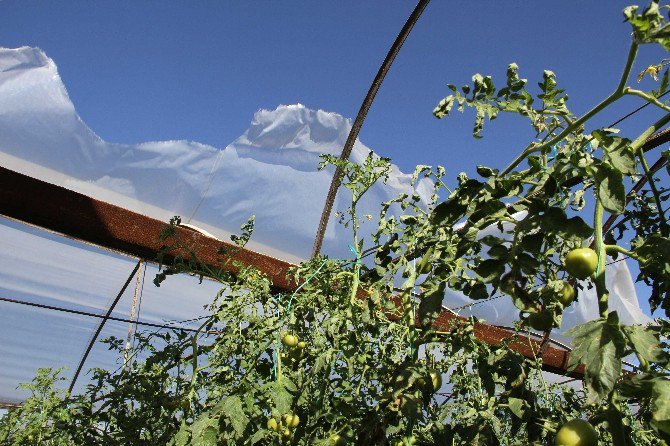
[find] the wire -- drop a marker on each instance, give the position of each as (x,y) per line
(636,110)
(139,307)
(88,314)
(101,325)
(133,308)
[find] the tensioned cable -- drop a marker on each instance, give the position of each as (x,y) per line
(637,110)
(98,316)
(210,180)
(101,325)
(358,123)
(139,305)
(133,308)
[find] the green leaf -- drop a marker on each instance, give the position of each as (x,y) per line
(518,407)
(649,26)
(618,152)
(645,342)
(489,270)
(476,291)
(280,396)
(556,221)
(182,437)
(234,411)
(205,431)
(599,345)
(660,405)
(486,172)
(444,107)
(610,189)
(431,304)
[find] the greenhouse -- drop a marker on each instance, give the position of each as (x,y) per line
(494,273)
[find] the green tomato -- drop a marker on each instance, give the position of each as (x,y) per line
(302,345)
(272,424)
(577,433)
(289,340)
(294,422)
(337,440)
(435,381)
(581,262)
(291,420)
(286,433)
(541,321)
(567,294)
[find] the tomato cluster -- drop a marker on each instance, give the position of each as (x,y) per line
(285,426)
(296,348)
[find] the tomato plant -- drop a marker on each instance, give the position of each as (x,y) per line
(354,355)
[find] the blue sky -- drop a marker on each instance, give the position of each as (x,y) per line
(142,71)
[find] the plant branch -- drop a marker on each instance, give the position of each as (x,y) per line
(655,192)
(616,248)
(637,148)
(647,97)
(534,147)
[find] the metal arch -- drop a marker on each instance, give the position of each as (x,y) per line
(358,123)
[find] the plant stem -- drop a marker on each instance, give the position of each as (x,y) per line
(533,148)
(637,148)
(616,248)
(619,437)
(357,265)
(655,192)
(599,276)
(647,97)
(615,422)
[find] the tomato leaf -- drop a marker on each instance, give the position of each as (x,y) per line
(653,256)
(234,411)
(205,431)
(556,221)
(645,342)
(518,407)
(490,269)
(610,189)
(660,395)
(182,437)
(599,345)
(280,396)
(431,304)
(618,152)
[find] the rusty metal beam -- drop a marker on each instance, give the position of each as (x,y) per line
(93,221)
(78,216)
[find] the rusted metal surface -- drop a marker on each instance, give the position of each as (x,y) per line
(554,359)
(9,405)
(84,218)
(93,221)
